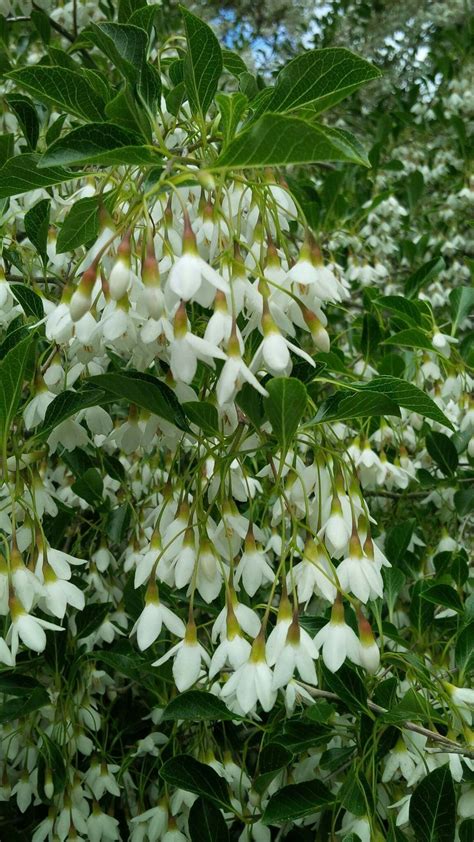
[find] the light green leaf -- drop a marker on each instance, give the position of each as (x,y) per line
(206,823)
(284,407)
(98,143)
(407,395)
(26,115)
(12,373)
(202,64)
(69,89)
(297,800)
(423,276)
(443,452)
(232,108)
(319,77)
(185,772)
(37,226)
(277,140)
(198,706)
(433,807)
(21,174)
(342,407)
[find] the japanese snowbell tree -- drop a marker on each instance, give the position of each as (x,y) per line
(220,618)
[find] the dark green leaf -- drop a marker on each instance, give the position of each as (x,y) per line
(206,823)
(21,174)
(51,761)
(319,77)
(204,415)
(12,373)
(410,338)
(89,486)
(126,9)
(443,452)
(125,45)
(98,143)
(198,706)
(202,64)
(7,148)
(29,301)
(69,89)
(145,391)
(394,581)
(464,650)
(347,685)
(91,617)
(37,226)
(187,773)
(27,117)
(412,706)
(342,407)
(276,140)
(423,276)
(80,226)
(443,595)
(67,403)
(407,395)
(461,300)
(464,501)
(13,709)
(284,407)
(433,807)
(17,685)
(233,63)
(251,403)
(297,800)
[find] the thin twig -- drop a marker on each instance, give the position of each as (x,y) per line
(450,746)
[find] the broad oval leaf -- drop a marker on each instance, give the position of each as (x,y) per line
(29,301)
(424,275)
(407,395)
(284,407)
(278,139)
(98,143)
(297,800)
(145,391)
(27,116)
(433,807)
(198,706)
(185,772)
(37,226)
(202,64)
(443,452)
(319,77)
(206,823)
(60,86)
(124,44)
(12,373)
(342,407)
(204,415)
(21,174)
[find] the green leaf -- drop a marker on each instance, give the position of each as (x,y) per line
(423,275)
(443,452)
(232,108)
(145,391)
(443,595)
(297,800)
(341,407)
(433,807)
(273,758)
(13,684)
(7,148)
(347,685)
(81,225)
(394,580)
(29,301)
(198,706)
(187,773)
(98,143)
(464,501)
(464,650)
(125,45)
(461,300)
(407,395)
(277,140)
(51,761)
(91,617)
(233,63)
(126,9)
(67,403)
(202,64)
(410,338)
(12,374)
(405,309)
(21,174)
(206,823)
(284,407)
(71,90)
(319,77)
(251,403)
(37,226)
(412,706)
(204,415)
(89,486)
(13,709)
(27,117)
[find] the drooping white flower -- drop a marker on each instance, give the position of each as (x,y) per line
(337,640)
(298,654)
(252,682)
(188,655)
(154,616)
